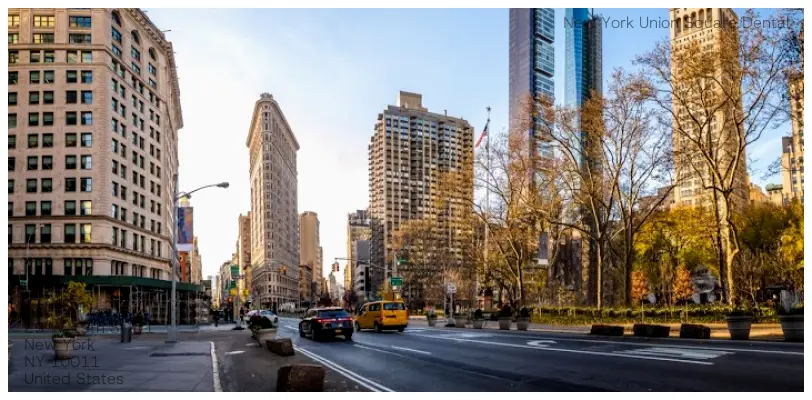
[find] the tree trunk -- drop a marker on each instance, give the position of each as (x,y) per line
(521,286)
(599,274)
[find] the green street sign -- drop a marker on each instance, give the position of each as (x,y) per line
(235,271)
(402,261)
(233,285)
(396,281)
(24,283)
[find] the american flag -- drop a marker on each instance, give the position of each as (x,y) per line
(484,133)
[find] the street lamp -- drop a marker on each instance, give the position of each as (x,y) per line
(172,332)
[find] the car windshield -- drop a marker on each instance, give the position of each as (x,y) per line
(393,306)
(333,314)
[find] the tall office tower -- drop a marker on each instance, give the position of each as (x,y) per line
(309,249)
(197,263)
(531,69)
(93,114)
(357,229)
(244,252)
(409,150)
(274,215)
(704,27)
(792,157)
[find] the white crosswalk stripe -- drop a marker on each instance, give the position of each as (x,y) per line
(693,354)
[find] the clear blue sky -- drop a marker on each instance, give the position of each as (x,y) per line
(332,72)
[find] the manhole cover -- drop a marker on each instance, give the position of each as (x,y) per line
(177,354)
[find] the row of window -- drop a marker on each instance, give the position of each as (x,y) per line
(44,266)
(45,185)
(49,21)
(47,97)
(32,164)
(48,77)
(48,56)
(71,118)
(68,233)
(45,208)
(71,140)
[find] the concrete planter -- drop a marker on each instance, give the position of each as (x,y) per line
(739,327)
(265,334)
(63,347)
(137,329)
(460,322)
(432,321)
(793,327)
(522,323)
(504,324)
(479,323)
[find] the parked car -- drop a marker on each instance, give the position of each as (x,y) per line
(263,313)
(321,323)
(382,315)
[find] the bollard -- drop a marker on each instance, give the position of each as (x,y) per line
(126,333)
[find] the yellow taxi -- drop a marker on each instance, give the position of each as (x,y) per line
(382,315)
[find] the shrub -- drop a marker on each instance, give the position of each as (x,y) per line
(263,323)
(138,319)
(524,313)
(478,314)
(796,310)
(64,334)
(431,314)
(506,312)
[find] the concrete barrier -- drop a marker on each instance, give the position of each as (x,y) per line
(693,331)
(300,378)
(606,330)
(281,346)
(648,330)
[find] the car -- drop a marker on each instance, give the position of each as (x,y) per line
(263,313)
(322,323)
(382,315)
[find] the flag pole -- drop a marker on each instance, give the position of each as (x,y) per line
(487,194)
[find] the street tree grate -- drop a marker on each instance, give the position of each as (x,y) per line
(178,354)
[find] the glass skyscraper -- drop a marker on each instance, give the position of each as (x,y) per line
(532,61)
(583,55)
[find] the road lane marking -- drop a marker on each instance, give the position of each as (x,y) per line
(369,384)
(408,349)
(215,370)
(522,346)
(231,353)
(540,343)
(668,351)
(291,328)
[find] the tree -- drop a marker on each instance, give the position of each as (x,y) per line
(721,98)
(639,286)
(683,286)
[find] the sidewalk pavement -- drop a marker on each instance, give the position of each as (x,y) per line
(718,331)
(101,364)
(116,330)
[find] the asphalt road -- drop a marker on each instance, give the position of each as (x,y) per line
(440,359)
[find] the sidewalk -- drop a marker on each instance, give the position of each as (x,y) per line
(718,331)
(98,364)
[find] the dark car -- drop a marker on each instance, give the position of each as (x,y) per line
(321,323)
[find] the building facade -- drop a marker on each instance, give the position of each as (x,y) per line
(410,150)
(531,60)
(244,253)
(274,206)
(94,111)
(357,229)
(708,29)
(197,263)
(306,285)
(309,248)
(792,155)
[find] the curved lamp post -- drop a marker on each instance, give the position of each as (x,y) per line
(172,331)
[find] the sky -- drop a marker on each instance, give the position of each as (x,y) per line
(332,71)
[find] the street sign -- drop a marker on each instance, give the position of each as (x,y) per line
(24,283)
(396,281)
(233,292)
(402,261)
(235,271)
(451,288)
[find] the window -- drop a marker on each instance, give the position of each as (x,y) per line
(12,141)
(30,208)
(116,50)
(43,38)
(70,207)
(87,207)
(71,97)
(49,57)
(45,208)
(33,119)
(70,184)
(47,140)
(48,77)
(10,186)
(12,98)
(47,163)
(13,38)
(12,120)
(123,238)
(70,233)
(116,35)
(30,185)
(114,146)
(71,118)
(70,162)
(79,38)
(13,76)
(86,162)
(79,22)
(87,118)
(10,210)
(48,117)
(136,39)
(12,162)
(13,21)
(152,69)
(13,57)
(34,57)
(136,55)
(45,237)
(70,140)
(136,68)
(30,233)
(87,56)
(48,98)
(33,77)
(44,21)
(87,76)
(33,141)
(87,184)
(71,77)
(87,139)
(87,97)
(33,163)
(47,185)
